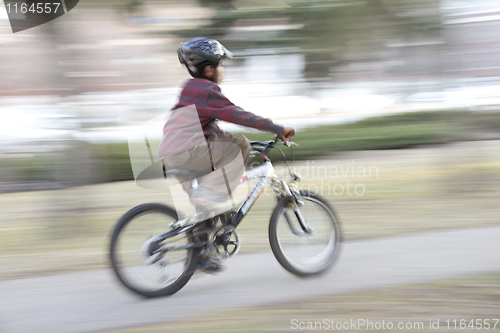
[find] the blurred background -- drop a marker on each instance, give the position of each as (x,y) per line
(78,84)
(411,88)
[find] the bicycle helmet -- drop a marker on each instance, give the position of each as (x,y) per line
(199,52)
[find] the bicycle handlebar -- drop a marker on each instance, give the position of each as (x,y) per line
(265,145)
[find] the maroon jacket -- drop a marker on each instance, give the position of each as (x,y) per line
(181,133)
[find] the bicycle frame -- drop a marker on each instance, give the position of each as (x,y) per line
(205,241)
(264,172)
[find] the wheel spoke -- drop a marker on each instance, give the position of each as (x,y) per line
(175,261)
(299,252)
(134,251)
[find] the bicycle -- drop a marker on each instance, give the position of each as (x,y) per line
(155,262)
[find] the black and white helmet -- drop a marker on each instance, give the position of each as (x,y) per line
(199,52)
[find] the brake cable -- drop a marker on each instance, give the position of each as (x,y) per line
(286,162)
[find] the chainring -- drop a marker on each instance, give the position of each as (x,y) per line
(224,242)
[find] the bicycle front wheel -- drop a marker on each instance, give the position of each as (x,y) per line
(144,264)
(305,252)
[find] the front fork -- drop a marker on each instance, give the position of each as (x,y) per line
(302,223)
(295,202)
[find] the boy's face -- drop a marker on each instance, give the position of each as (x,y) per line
(219,73)
(215,74)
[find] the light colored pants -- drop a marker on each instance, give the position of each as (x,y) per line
(228,154)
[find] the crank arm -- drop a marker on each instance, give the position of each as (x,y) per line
(184,247)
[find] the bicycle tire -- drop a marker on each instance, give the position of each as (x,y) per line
(123,272)
(326,258)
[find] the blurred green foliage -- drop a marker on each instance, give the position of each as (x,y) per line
(84,164)
(99,163)
(391,132)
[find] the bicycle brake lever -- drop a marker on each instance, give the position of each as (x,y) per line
(290,143)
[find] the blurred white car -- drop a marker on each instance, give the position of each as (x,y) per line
(467,97)
(32,130)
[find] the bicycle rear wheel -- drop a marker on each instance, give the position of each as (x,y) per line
(144,264)
(299,252)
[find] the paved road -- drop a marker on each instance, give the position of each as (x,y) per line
(93,301)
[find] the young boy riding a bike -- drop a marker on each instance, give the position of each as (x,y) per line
(154,252)
(193,141)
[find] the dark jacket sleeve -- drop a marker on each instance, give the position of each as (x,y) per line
(220,107)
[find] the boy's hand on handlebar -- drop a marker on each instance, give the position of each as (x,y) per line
(288,133)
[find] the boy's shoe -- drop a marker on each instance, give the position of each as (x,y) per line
(206,197)
(209,266)
(208,263)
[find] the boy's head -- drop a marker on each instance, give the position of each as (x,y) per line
(203,57)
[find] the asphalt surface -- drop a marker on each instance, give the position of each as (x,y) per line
(94,301)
